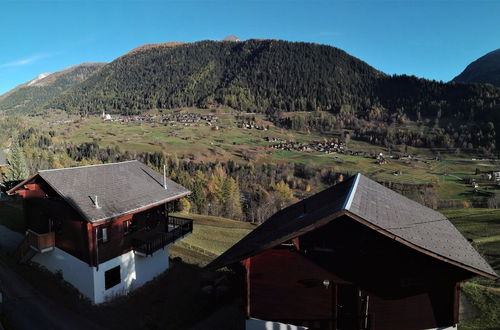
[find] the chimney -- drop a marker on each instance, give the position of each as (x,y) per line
(96,203)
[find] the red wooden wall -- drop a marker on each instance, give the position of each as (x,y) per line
(399,287)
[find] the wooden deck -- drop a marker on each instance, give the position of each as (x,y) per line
(148,242)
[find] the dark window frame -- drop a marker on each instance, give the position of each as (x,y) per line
(100,234)
(126,227)
(112,277)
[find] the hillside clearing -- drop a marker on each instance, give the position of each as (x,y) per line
(211,237)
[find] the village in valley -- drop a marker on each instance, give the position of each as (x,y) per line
(129,241)
(249,183)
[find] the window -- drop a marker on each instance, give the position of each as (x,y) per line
(112,277)
(126,227)
(102,234)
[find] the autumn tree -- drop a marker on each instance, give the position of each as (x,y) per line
(231,205)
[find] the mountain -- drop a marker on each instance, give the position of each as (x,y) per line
(334,89)
(35,93)
(253,75)
(231,37)
(485,69)
(277,77)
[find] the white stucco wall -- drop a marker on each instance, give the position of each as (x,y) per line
(73,270)
(256,324)
(147,268)
(135,270)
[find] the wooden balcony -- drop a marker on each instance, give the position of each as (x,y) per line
(147,242)
(41,242)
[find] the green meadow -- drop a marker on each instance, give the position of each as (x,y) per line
(201,142)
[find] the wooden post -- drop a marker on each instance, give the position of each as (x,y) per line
(456,302)
(247,264)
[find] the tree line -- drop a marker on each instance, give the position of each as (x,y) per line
(230,189)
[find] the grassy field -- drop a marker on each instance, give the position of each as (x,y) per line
(482,226)
(211,237)
(485,303)
(202,143)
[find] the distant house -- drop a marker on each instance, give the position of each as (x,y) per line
(3,166)
(3,159)
(496,176)
(355,256)
(105,228)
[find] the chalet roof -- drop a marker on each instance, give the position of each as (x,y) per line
(3,158)
(374,205)
(120,188)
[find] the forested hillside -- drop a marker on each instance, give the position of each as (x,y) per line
(34,94)
(277,77)
(255,75)
(485,69)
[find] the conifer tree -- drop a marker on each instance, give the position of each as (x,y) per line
(215,188)
(199,195)
(17,169)
(232,204)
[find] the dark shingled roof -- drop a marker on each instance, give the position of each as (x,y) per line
(121,188)
(381,208)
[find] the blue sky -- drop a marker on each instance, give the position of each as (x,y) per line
(434,39)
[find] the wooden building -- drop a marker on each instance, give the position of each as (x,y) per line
(105,228)
(355,256)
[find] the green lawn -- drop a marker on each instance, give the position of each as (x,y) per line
(211,237)
(482,226)
(202,143)
(486,307)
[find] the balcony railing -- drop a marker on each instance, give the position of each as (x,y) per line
(41,242)
(146,243)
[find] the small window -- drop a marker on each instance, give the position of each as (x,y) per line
(126,227)
(112,277)
(102,234)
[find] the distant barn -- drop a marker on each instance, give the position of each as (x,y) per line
(3,166)
(3,159)
(355,256)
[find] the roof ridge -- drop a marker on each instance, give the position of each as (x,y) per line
(84,166)
(351,193)
(406,198)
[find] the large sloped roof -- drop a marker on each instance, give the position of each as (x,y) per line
(374,205)
(120,188)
